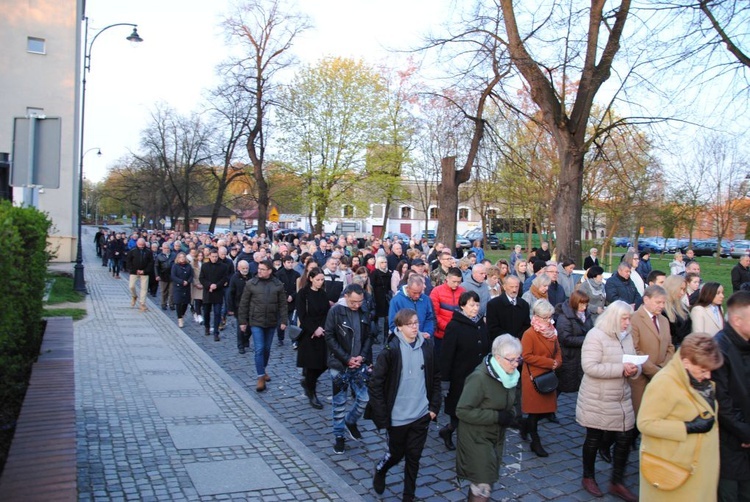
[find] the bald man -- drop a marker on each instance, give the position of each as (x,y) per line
(140,262)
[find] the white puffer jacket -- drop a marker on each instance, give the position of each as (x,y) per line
(604,397)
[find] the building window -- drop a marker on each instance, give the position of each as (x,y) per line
(491,214)
(433,213)
(405,213)
(463,213)
(36,45)
(377,210)
(348,211)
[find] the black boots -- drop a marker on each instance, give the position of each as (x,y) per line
(311,395)
(536,443)
(446,434)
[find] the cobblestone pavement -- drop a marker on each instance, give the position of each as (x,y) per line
(282,407)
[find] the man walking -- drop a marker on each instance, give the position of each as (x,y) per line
(733,397)
(405,395)
(288,277)
(163,273)
(214,277)
(139,262)
(348,337)
(263,307)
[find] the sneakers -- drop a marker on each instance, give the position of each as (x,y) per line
(294,345)
(378,481)
(180,323)
(353,431)
(339,446)
(242,350)
(200,319)
(195,317)
(281,342)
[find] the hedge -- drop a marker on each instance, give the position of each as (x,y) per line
(23,268)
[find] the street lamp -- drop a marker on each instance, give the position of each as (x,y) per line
(79,283)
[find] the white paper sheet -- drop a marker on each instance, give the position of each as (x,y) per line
(637,360)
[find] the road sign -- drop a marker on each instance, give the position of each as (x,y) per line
(274,215)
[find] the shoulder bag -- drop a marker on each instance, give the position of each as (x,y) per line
(547,381)
(293,331)
(663,474)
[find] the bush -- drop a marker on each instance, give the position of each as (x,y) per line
(23,269)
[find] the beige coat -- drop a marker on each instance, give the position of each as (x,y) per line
(196,291)
(704,321)
(604,397)
(656,345)
(668,403)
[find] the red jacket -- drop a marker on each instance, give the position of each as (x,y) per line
(444,303)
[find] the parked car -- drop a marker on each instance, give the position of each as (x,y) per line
(740,249)
(651,245)
(430,235)
(476,234)
(289,234)
(397,235)
(705,248)
(623,242)
(463,241)
(251,231)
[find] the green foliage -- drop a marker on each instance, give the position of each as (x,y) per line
(62,290)
(76,314)
(24,270)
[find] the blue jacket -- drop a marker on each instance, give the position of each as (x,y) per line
(423,306)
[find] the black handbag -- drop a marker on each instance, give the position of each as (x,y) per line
(547,382)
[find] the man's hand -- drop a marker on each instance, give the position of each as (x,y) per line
(243,327)
(319,332)
(158,278)
(184,283)
(432,416)
(289,299)
(355,362)
(212,287)
(425,334)
(282,327)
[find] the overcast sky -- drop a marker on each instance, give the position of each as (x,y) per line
(183,44)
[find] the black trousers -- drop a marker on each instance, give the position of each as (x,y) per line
(597,437)
(406,441)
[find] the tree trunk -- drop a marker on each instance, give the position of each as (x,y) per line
(567,204)
(448,196)
(386,209)
(217,207)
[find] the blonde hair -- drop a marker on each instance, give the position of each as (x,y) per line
(674,308)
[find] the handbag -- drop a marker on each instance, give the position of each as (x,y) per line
(547,382)
(663,474)
(293,332)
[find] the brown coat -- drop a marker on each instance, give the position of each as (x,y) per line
(656,345)
(537,359)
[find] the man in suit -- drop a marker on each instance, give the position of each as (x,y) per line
(508,313)
(651,337)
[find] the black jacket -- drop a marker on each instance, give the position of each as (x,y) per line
(571,333)
(465,344)
(504,317)
(381,286)
(289,279)
(163,266)
(139,259)
(236,288)
(386,376)
(619,288)
(556,294)
(214,273)
(339,337)
(733,395)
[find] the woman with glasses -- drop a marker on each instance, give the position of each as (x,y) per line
(604,404)
(465,343)
(484,411)
(541,354)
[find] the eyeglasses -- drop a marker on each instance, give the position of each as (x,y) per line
(517,360)
(545,318)
(263,269)
(415,323)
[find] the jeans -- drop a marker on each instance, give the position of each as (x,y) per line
(216,308)
(357,379)
(262,339)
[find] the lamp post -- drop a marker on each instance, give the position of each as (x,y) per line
(79,283)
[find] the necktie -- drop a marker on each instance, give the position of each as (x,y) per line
(512,301)
(656,323)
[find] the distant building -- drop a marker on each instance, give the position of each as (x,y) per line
(39,58)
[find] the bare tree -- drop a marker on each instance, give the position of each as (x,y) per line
(265,30)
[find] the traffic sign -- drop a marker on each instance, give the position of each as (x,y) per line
(274,215)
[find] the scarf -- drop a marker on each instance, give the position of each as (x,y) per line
(474,319)
(537,294)
(544,328)
(509,380)
(581,316)
(704,388)
(597,289)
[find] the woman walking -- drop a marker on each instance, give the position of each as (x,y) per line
(604,404)
(541,354)
(182,280)
(196,290)
(312,309)
(465,343)
(484,412)
(380,278)
(677,420)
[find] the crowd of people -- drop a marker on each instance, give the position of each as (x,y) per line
(650,354)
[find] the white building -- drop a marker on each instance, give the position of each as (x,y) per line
(40,46)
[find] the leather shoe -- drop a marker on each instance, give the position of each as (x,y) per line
(378,481)
(446,434)
(589,484)
(315,402)
(536,447)
(553,418)
(242,350)
(620,491)
(261,385)
(267,378)
(605,454)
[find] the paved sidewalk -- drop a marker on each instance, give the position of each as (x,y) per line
(150,395)
(158,419)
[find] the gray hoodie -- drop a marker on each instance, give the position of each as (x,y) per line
(411,399)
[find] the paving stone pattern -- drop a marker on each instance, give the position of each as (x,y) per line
(137,404)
